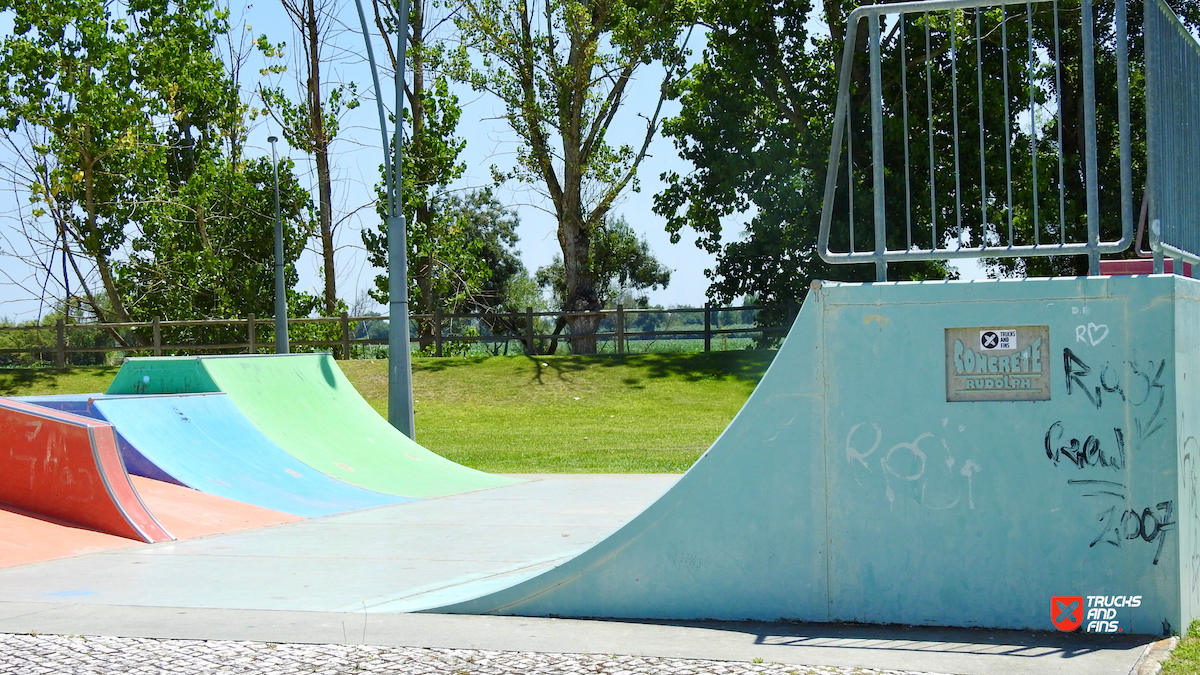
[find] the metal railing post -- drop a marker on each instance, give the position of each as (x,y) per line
(876,156)
(1091,172)
(251,347)
(157,337)
(345,336)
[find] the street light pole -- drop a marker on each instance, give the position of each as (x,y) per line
(281,306)
(400,407)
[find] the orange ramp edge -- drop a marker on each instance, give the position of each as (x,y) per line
(27,539)
(185,512)
(189,513)
(68,468)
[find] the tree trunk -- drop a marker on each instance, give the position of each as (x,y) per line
(581,293)
(321,151)
(426,264)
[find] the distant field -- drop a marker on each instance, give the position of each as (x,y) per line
(642,413)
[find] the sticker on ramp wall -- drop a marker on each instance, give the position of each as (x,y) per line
(998,363)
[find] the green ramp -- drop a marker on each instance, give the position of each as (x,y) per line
(305,405)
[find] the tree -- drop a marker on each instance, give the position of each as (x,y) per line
(466,256)
(493,228)
(210,254)
(561,68)
(98,101)
(312,124)
(620,262)
(429,164)
(755,122)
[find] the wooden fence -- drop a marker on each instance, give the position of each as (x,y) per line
(519,327)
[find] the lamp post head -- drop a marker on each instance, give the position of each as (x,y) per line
(272,139)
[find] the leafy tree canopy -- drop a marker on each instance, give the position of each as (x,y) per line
(619,261)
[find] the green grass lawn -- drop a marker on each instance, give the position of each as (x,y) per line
(1185,660)
(644,413)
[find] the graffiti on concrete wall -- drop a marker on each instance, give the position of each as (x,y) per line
(922,469)
(1135,386)
(1191,507)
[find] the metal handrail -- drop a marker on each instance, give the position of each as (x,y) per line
(881,256)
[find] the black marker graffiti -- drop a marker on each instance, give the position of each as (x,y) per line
(1128,524)
(1075,370)
(1145,389)
(1118,524)
(1085,453)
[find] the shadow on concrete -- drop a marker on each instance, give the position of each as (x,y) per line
(900,638)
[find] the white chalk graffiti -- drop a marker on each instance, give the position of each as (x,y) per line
(1190,449)
(907,462)
(1091,333)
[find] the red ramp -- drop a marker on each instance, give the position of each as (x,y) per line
(68,468)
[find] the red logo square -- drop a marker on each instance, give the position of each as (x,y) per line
(1066,612)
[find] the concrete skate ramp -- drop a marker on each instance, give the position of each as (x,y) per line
(850,488)
(66,467)
(184,512)
(305,405)
(188,513)
(25,539)
(204,442)
(136,464)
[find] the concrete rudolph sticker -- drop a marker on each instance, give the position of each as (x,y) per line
(998,363)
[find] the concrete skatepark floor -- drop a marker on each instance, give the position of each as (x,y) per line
(350,579)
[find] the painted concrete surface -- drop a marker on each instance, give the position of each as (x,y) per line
(205,443)
(305,405)
(849,488)
(67,467)
(183,512)
(188,513)
(385,559)
(894,648)
(27,539)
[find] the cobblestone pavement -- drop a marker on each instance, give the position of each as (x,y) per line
(46,654)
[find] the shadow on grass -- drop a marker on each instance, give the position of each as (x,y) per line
(743,365)
(22,381)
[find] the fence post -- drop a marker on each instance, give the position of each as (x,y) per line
(530,346)
(345,336)
(60,356)
(252,348)
(707,328)
(620,329)
(437,331)
(156,337)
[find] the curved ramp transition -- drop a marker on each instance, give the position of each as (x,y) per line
(186,513)
(305,405)
(67,467)
(81,404)
(881,474)
(204,442)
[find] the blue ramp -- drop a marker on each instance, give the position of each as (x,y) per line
(204,442)
(80,404)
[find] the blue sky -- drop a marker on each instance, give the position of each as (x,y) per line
(357,155)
